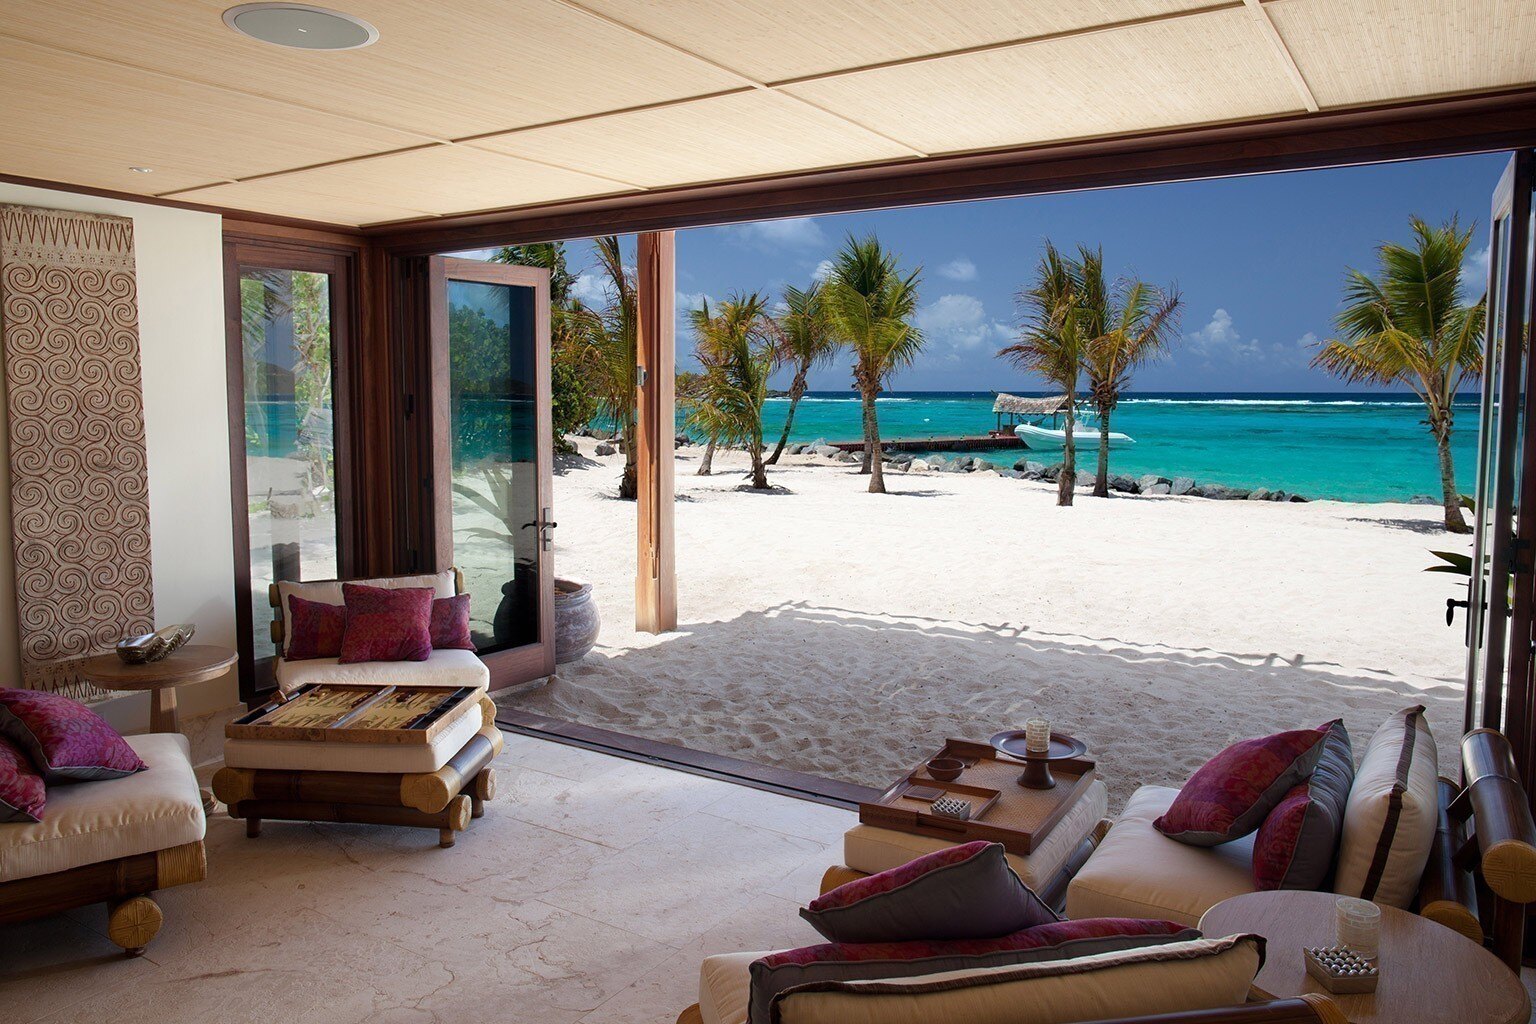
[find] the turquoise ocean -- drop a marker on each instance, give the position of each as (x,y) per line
(1351,447)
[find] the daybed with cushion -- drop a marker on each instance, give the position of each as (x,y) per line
(115,840)
(447,668)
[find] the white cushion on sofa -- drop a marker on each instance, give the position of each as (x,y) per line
(1392,812)
(89,822)
(871,850)
(330,592)
(725,987)
(1139,872)
(442,668)
(336,756)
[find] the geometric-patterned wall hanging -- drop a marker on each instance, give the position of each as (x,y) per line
(69,324)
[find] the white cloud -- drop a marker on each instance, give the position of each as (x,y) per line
(959,269)
(1474,271)
(1307,342)
(1215,335)
(591,290)
(823,271)
(960,322)
(793,233)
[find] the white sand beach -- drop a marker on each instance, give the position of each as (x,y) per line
(845,634)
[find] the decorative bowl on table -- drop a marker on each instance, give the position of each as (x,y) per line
(151,647)
(1037,763)
(945,769)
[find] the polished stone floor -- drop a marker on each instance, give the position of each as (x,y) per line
(589,892)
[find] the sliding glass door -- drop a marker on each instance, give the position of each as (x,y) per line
(283,370)
(491,456)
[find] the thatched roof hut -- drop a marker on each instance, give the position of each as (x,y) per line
(1016,406)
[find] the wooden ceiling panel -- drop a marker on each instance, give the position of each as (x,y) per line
(1206,68)
(773,40)
(434,180)
(440,70)
(738,136)
(110,117)
(271,196)
(1370,51)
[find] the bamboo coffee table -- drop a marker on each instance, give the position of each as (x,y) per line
(1429,973)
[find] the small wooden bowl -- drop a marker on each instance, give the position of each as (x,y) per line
(945,769)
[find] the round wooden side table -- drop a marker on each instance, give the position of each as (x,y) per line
(192,663)
(1429,973)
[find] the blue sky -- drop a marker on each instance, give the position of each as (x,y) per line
(1259,261)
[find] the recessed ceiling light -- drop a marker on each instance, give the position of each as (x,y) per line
(143,170)
(301,26)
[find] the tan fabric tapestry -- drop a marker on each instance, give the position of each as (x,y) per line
(69,323)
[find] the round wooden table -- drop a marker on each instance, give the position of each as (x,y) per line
(192,663)
(1429,973)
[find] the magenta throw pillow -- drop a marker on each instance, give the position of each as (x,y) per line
(386,624)
(871,961)
(315,629)
(1297,844)
(961,892)
(65,740)
(1233,792)
(22,794)
(450,624)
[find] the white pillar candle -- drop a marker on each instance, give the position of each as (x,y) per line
(1037,735)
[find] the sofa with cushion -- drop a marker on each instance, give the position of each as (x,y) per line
(443,667)
(1403,841)
(115,840)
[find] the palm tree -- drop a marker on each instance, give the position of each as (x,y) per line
(870,305)
(607,341)
(1124,327)
(808,343)
(1052,345)
(740,342)
(1409,326)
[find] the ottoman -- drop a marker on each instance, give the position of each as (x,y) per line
(440,784)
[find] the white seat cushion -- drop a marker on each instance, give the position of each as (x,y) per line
(442,668)
(725,987)
(872,850)
(1139,872)
(89,822)
(387,758)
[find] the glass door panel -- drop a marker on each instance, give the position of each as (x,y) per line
(286,326)
(492,453)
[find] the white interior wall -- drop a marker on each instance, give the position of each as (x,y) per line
(181,337)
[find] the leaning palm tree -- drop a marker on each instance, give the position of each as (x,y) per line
(1124,326)
(741,343)
(608,355)
(870,304)
(808,343)
(1409,326)
(1052,345)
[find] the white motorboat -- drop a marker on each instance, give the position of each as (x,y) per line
(1085,434)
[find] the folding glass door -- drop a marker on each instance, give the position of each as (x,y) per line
(491,449)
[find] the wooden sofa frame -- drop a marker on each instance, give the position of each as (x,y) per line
(1483,856)
(124,884)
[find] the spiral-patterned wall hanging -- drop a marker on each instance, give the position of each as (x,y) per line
(69,323)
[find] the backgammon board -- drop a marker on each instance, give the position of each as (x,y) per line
(356,713)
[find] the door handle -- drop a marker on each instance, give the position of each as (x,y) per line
(547,528)
(1451,604)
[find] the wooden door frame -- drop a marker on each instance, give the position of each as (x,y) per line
(340,262)
(519,664)
(655,430)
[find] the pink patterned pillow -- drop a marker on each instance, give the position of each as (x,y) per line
(1233,792)
(315,629)
(385,624)
(871,961)
(1296,846)
(450,624)
(22,794)
(65,740)
(960,892)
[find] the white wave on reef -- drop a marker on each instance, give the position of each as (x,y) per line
(809,400)
(1265,401)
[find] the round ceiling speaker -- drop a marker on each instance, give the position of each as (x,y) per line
(300,26)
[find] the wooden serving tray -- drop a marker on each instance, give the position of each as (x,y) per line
(356,713)
(1017,817)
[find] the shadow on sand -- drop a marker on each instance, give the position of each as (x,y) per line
(861,696)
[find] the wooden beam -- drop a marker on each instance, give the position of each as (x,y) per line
(656,351)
